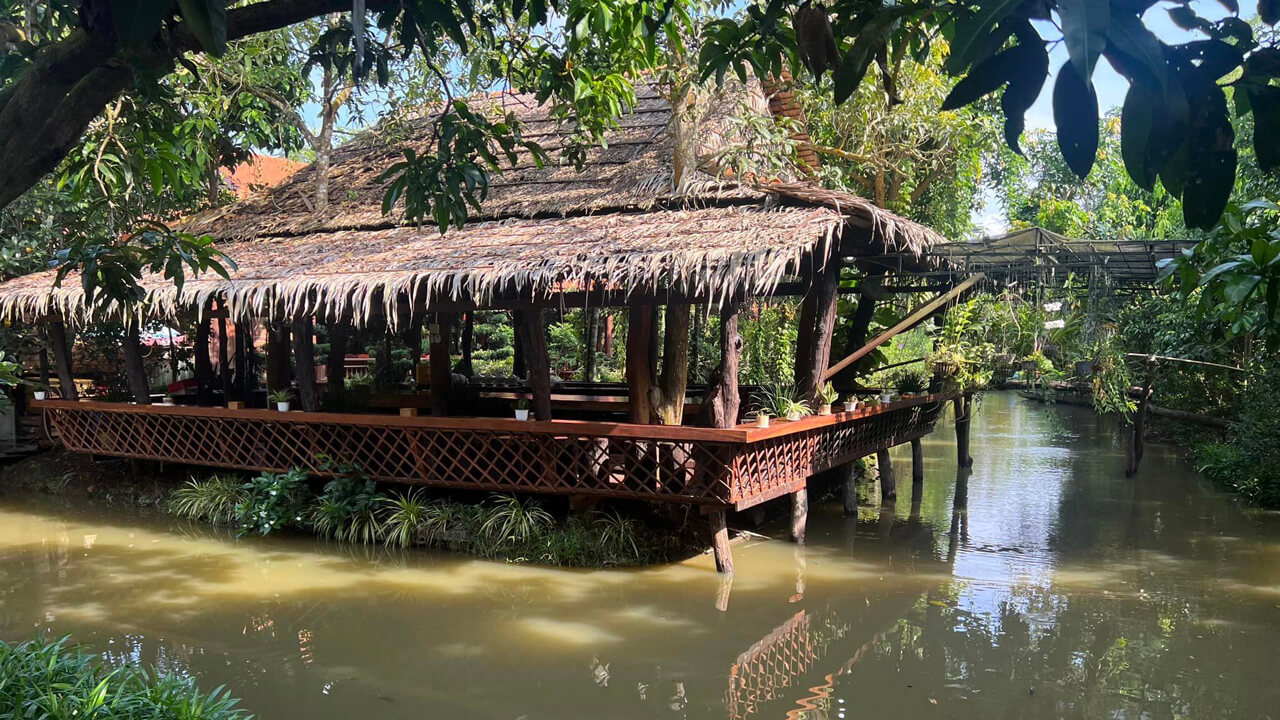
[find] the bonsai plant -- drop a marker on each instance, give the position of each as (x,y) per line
(522,408)
(827,395)
(281,398)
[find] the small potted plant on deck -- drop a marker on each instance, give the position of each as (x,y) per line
(281,398)
(40,394)
(796,409)
(827,396)
(522,408)
(762,418)
(852,404)
(910,384)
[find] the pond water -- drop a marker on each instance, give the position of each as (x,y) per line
(1043,585)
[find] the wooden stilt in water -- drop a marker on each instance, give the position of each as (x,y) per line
(720,542)
(848,474)
(61,341)
(799,514)
(917,463)
(963,406)
(888,489)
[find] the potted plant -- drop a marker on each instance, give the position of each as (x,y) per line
(910,384)
(281,398)
(522,409)
(796,409)
(827,396)
(852,404)
(40,394)
(762,418)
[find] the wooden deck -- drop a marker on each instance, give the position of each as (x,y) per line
(717,468)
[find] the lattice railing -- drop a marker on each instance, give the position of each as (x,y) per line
(674,464)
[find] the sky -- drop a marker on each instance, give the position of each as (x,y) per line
(1110,87)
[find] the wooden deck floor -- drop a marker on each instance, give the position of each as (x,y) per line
(734,468)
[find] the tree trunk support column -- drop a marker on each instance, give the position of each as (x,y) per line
(335,365)
(640,364)
(441,331)
(203,363)
(533,341)
(963,406)
(817,323)
(134,369)
(675,366)
(799,514)
(888,488)
(720,542)
(304,357)
(61,341)
(848,475)
(917,463)
(278,357)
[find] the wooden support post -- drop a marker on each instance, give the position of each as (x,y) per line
(533,339)
(848,475)
(916,317)
(813,346)
(720,542)
(888,487)
(134,369)
(413,342)
(917,464)
(517,346)
(278,371)
(1133,455)
(468,344)
(720,407)
(669,405)
(304,359)
(44,366)
(963,406)
(799,514)
(639,368)
(591,317)
(440,333)
(335,363)
(244,345)
(203,363)
(224,365)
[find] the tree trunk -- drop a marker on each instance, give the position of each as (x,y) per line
(675,366)
(304,358)
(821,301)
(203,363)
(799,514)
(62,342)
(870,291)
(888,487)
(336,364)
(720,542)
(639,368)
(720,407)
(533,338)
(963,406)
(591,316)
(324,140)
(517,347)
(441,367)
(135,370)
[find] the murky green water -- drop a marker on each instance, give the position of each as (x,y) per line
(1063,590)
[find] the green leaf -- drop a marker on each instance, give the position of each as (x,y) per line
(849,75)
(1135,52)
(138,21)
(1211,154)
(1085,24)
(972,33)
(1024,87)
(1137,122)
(1265,102)
(207,20)
(1075,114)
(983,79)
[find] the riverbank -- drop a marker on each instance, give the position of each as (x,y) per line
(352,509)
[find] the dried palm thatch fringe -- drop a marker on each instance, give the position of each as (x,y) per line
(711,252)
(619,224)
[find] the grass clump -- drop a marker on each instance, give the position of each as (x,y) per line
(55,679)
(214,499)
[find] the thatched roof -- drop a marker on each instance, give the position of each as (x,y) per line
(617,224)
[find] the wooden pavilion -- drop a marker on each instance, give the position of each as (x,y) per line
(622,232)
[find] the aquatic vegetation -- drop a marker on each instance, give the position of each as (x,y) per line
(273,501)
(349,507)
(212,499)
(617,533)
(55,679)
(514,520)
(404,517)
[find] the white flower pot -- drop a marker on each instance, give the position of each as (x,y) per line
(40,394)
(885,398)
(522,414)
(824,409)
(792,417)
(282,406)
(762,421)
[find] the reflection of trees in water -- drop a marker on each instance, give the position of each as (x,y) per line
(1046,655)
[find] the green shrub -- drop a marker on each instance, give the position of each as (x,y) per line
(273,501)
(43,679)
(348,509)
(213,499)
(513,520)
(404,517)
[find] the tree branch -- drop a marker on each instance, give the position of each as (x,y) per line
(267,95)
